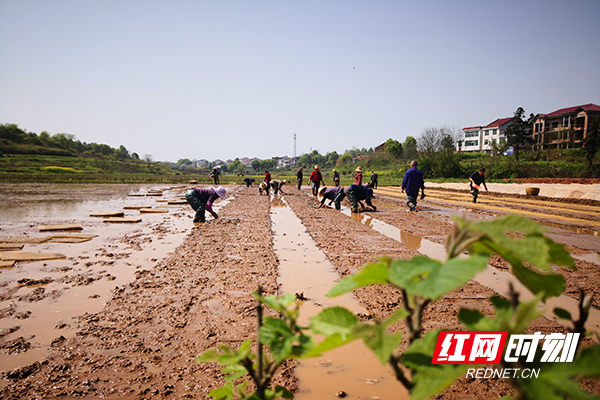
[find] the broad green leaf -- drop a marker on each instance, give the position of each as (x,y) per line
(281,392)
(533,248)
(562,313)
(430,379)
(470,318)
(282,349)
(331,342)
(272,330)
(234,371)
(396,316)
(431,279)
(560,380)
(230,355)
(223,393)
(550,285)
(370,274)
(241,388)
(334,320)
(500,303)
(379,340)
(208,356)
(273,302)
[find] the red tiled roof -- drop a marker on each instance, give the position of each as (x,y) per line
(471,127)
(499,122)
(570,110)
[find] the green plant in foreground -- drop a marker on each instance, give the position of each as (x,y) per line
(421,280)
(283,336)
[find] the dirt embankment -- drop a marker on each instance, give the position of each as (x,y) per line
(143,343)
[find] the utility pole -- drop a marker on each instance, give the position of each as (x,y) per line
(294,145)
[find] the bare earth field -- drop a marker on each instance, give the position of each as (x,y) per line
(142,342)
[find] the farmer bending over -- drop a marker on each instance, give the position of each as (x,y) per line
(356,193)
(202,200)
(334,194)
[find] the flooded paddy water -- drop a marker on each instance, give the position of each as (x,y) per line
(40,299)
(304,269)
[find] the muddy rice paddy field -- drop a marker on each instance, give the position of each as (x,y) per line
(120,309)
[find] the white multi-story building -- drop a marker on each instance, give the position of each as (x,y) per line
(480,138)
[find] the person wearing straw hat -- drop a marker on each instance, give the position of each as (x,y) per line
(316,179)
(336,178)
(276,185)
(215,174)
(334,194)
(358,176)
(202,200)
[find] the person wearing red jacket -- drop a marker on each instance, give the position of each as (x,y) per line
(316,179)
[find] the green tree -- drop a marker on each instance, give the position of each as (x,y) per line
(591,143)
(256,165)
(345,158)
(519,132)
(185,161)
(410,148)
(394,148)
(332,158)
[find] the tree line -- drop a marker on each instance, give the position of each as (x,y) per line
(14,140)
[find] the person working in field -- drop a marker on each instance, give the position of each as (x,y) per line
(334,194)
(276,185)
(264,187)
(215,175)
(358,176)
(315,180)
(374,178)
(202,200)
(249,181)
(412,182)
(357,193)
(477,179)
(300,177)
(336,178)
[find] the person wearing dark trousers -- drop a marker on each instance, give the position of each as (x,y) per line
(476,180)
(300,177)
(412,182)
(357,193)
(202,200)
(334,194)
(374,179)
(315,180)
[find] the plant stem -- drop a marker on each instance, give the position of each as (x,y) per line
(259,367)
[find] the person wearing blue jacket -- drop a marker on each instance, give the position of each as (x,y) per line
(412,182)
(356,193)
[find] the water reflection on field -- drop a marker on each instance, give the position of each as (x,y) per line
(41,300)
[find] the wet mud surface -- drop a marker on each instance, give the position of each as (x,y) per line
(140,339)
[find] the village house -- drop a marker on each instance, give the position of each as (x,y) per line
(565,128)
(481,138)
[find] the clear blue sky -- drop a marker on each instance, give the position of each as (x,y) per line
(225,79)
